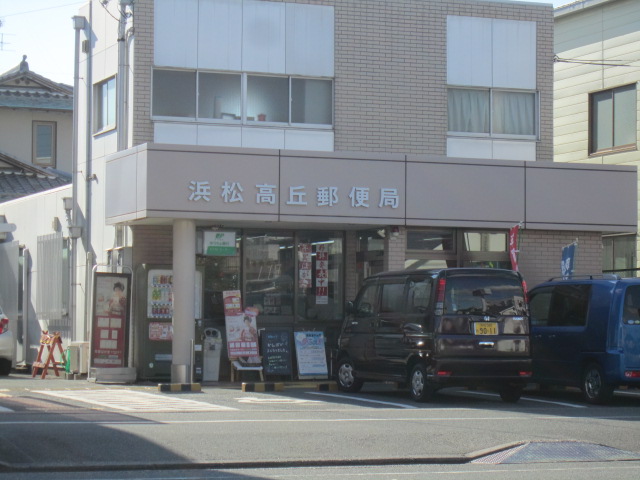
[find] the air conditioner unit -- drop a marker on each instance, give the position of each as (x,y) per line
(79,357)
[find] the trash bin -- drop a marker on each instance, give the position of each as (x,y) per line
(211,355)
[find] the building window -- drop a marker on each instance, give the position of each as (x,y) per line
(311,101)
(234,97)
(219,96)
(619,255)
(492,112)
(105,94)
(613,120)
(174,93)
(44,143)
(268,99)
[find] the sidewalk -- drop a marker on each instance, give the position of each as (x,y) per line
(23,380)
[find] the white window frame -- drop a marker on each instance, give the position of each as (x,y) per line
(102,123)
(243,103)
(49,161)
(491,133)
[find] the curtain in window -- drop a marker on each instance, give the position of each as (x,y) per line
(514,113)
(468,111)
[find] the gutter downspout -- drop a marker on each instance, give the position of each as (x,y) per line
(121,78)
(79,24)
(88,179)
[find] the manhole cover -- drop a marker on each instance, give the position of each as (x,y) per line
(543,452)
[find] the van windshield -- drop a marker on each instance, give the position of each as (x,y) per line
(484,295)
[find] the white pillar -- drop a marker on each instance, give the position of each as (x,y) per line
(184,286)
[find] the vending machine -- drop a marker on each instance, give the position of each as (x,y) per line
(154,313)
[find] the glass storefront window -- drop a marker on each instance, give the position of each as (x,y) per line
(442,248)
(619,255)
(320,276)
(220,273)
(485,241)
(431,248)
(370,253)
(269,272)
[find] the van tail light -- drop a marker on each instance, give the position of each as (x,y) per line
(442,283)
(4,325)
(525,373)
(632,374)
(526,292)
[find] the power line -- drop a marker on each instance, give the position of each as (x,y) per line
(41,9)
(599,62)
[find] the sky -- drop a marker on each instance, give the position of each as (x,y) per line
(43,31)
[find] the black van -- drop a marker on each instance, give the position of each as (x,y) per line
(437,328)
(586,333)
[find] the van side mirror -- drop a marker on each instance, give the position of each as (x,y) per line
(349,308)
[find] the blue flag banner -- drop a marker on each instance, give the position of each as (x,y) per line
(568,260)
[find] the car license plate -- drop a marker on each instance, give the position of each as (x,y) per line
(485,328)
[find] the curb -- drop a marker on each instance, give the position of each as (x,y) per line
(327,387)
(179,387)
(262,387)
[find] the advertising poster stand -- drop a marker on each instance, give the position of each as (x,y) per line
(311,355)
(110,324)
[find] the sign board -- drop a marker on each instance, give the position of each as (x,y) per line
(220,244)
(241,326)
(276,351)
(110,326)
(311,355)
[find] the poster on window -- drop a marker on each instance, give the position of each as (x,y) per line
(241,326)
(304,265)
(110,322)
(322,274)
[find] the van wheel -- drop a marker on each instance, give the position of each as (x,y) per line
(347,381)
(5,367)
(420,389)
(594,388)
(510,394)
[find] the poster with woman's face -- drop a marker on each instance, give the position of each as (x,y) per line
(109,329)
(111,295)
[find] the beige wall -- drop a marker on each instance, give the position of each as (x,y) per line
(16,134)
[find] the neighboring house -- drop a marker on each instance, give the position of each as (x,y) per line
(286,150)
(36,118)
(597,69)
(18,179)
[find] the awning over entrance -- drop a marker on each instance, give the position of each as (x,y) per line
(161,182)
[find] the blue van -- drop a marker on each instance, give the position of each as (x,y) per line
(585,332)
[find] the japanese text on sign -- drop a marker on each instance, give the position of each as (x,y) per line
(325,196)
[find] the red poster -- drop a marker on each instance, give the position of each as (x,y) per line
(110,320)
(322,275)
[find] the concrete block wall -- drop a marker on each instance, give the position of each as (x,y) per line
(541,253)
